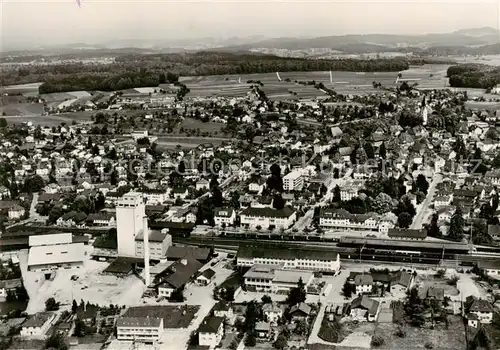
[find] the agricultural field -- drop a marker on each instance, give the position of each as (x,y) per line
(50,120)
(31,88)
(431,76)
(21,109)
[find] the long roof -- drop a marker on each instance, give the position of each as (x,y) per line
(286,253)
(56,254)
(138,322)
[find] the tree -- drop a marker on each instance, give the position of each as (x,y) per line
(457,222)
(80,330)
(336,194)
(382,203)
(404,220)
(56,341)
(382,151)
(297,294)
(422,184)
(251,339)
(3,123)
(278,202)
(433,229)
(347,289)
(281,341)
(460,149)
(33,184)
(266,299)
(301,328)
(74,307)
(51,304)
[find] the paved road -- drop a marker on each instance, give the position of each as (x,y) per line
(424,210)
(305,221)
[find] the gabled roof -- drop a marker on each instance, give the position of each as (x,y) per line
(182,271)
(366,303)
(210,324)
(208,273)
(481,305)
(363,280)
(301,308)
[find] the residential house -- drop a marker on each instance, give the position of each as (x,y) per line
(494,232)
(211,331)
(72,219)
(180,192)
(257,186)
(37,325)
(267,218)
(442,201)
(299,312)
(205,277)
(4,192)
(202,184)
(224,217)
(223,310)
(363,283)
(401,281)
(364,308)
(101,219)
(176,276)
(7,286)
(263,330)
(272,313)
(483,310)
(16,212)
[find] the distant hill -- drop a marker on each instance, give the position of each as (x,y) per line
(381,42)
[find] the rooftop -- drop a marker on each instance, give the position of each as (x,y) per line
(138,322)
(56,254)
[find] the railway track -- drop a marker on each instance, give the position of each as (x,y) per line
(348,253)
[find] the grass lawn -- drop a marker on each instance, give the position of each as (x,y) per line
(441,338)
(331,331)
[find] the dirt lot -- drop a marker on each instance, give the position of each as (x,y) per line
(452,338)
(92,286)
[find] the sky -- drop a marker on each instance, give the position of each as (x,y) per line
(55,22)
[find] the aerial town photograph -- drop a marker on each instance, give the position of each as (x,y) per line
(249,175)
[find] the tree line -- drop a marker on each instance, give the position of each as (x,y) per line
(124,72)
(474,76)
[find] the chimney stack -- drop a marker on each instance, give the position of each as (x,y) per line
(145,231)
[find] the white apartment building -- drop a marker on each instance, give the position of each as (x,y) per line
(341,219)
(130,210)
(348,192)
(142,329)
(158,244)
(364,284)
(211,332)
(293,181)
(266,218)
(294,259)
(225,216)
(274,279)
